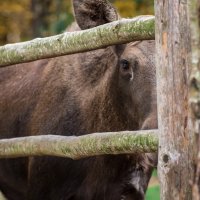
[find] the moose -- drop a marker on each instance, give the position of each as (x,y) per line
(109,89)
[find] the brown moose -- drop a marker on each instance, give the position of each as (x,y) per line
(110,89)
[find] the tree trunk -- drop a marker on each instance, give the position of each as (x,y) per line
(176,139)
(195,86)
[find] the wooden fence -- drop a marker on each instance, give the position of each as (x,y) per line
(177,35)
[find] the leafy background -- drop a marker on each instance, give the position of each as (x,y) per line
(26,19)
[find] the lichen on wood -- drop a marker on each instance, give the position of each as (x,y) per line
(125,142)
(117,32)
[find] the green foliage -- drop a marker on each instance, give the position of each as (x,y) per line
(24,19)
(155,174)
(131,8)
(153,193)
(15,17)
(60,16)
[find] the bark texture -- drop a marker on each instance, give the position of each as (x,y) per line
(82,146)
(194,100)
(176,141)
(118,32)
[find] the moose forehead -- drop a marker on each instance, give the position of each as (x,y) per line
(142,52)
(140,49)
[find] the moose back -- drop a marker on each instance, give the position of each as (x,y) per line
(110,89)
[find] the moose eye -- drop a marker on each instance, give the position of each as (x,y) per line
(124,64)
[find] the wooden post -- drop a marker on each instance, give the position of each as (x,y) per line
(194,100)
(176,141)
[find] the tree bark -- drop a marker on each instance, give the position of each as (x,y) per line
(118,32)
(124,142)
(176,140)
(194,9)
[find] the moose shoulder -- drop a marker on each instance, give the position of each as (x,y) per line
(110,89)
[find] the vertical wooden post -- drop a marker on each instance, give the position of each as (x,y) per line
(194,100)
(176,154)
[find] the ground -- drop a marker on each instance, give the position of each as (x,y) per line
(153,192)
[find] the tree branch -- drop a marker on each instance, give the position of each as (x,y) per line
(83,146)
(118,32)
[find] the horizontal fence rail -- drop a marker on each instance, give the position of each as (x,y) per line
(117,32)
(125,142)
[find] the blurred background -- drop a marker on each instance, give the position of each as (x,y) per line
(22,20)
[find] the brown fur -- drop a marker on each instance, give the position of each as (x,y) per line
(76,95)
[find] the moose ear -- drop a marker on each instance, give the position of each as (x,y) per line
(91,13)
